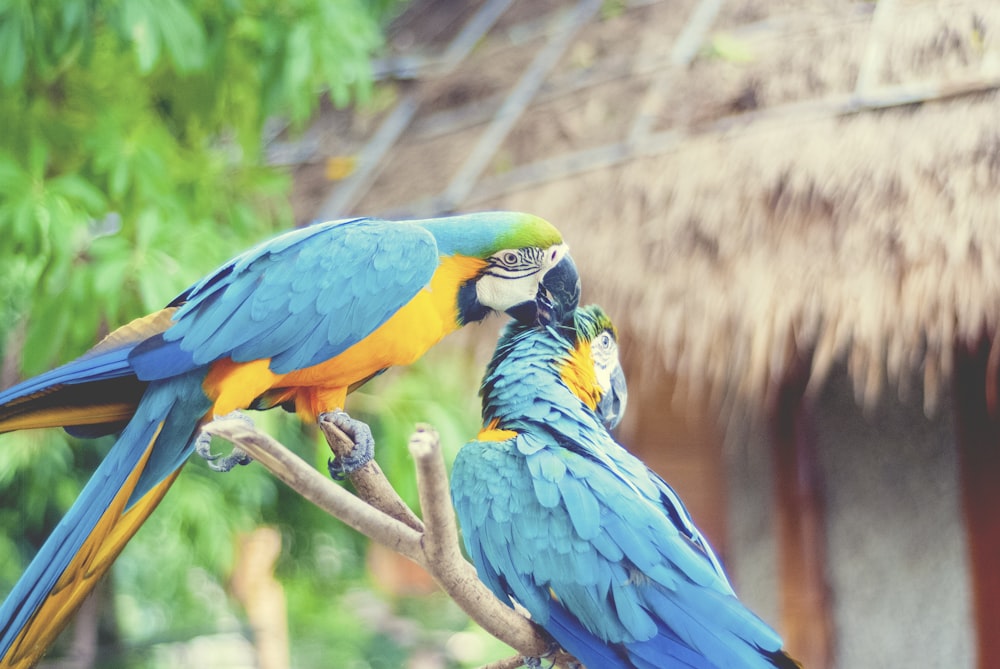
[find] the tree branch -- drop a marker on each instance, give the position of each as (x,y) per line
(369,480)
(381,515)
(318,489)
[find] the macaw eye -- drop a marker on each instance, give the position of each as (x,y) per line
(604,341)
(510,257)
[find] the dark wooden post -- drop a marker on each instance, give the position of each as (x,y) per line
(978,438)
(806,619)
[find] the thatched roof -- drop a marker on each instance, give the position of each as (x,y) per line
(870,237)
(739,181)
(874,237)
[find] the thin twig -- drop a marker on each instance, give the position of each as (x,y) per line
(435,497)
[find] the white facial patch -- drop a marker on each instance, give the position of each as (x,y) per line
(502,293)
(513,275)
(604,353)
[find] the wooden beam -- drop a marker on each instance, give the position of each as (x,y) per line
(977,435)
(806,616)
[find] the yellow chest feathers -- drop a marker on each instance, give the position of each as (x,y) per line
(418,325)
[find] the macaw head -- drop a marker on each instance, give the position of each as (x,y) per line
(524,268)
(593,370)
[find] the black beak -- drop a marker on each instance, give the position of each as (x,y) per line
(526,312)
(611,408)
(558,292)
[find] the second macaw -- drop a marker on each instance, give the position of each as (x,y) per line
(298,321)
(564,522)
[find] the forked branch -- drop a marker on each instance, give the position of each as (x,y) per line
(379,513)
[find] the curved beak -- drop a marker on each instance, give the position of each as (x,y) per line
(558,292)
(611,408)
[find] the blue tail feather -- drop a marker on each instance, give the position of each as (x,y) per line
(664,650)
(111,364)
(178,405)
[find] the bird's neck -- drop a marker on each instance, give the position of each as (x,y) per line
(527,387)
(454,289)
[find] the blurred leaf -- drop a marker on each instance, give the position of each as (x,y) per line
(340,167)
(724,46)
(182,35)
(14,59)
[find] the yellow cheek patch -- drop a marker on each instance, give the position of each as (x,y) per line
(455,270)
(579,376)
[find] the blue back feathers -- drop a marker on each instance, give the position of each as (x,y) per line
(299,299)
(598,548)
(306,296)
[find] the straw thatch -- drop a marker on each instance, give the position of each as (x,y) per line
(754,203)
(775,226)
(873,238)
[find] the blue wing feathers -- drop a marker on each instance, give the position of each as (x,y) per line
(156,358)
(299,299)
(584,509)
(582,643)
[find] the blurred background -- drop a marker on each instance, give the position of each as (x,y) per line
(789,208)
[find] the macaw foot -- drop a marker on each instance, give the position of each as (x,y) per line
(203,445)
(536,663)
(550,656)
(342,466)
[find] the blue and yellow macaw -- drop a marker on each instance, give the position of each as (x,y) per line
(298,321)
(564,522)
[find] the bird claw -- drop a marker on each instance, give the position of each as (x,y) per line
(550,655)
(219,463)
(342,466)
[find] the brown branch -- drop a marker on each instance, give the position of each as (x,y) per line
(506,663)
(318,489)
(435,497)
(369,480)
(380,517)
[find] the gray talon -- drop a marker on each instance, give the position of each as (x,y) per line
(203,447)
(364,445)
(237,457)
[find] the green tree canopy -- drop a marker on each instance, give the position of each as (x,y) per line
(130,160)
(131,164)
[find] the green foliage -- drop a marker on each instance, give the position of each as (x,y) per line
(130,165)
(130,162)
